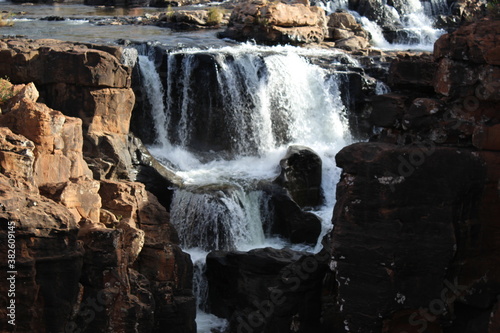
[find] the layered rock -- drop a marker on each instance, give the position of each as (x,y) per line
(89,82)
(119,269)
(276,23)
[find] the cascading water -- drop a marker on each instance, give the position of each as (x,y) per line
(408,23)
(229,116)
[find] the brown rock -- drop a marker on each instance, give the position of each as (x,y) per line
(58,138)
(48,259)
(412,72)
(274,23)
(393,225)
(79,195)
(352,43)
(17,158)
(25,60)
(477,42)
(343,25)
(487,138)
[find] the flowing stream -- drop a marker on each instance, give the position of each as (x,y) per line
(260,100)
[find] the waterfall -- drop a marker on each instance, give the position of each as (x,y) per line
(224,218)
(396,24)
(224,118)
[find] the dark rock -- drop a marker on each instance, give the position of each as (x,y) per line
(422,113)
(267,290)
(389,192)
(301,176)
(386,110)
(414,72)
(288,219)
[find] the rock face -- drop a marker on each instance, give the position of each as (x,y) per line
(267,290)
(91,254)
(88,82)
(418,206)
(276,23)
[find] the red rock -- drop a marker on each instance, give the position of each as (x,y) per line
(17,158)
(58,138)
(477,42)
(79,195)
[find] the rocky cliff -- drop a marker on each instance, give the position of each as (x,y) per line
(414,242)
(94,250)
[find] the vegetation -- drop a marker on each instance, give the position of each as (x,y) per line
(493,8)
(5,19)
(6,90)
(215,16)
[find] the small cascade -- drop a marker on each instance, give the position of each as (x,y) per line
(396,24)
(333,5)
(221,218)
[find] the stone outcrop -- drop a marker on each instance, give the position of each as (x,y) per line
(93,254)
(417,208)
(194,19)
(276,23)
(88,82)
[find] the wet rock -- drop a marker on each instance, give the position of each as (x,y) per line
(276,23)
(301,176)
(288,219)
(267,290)
(158,179)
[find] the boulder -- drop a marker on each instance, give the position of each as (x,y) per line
(352,43)
(343,25)
(267,290)
(288,219)
(301,176)
(276,23)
